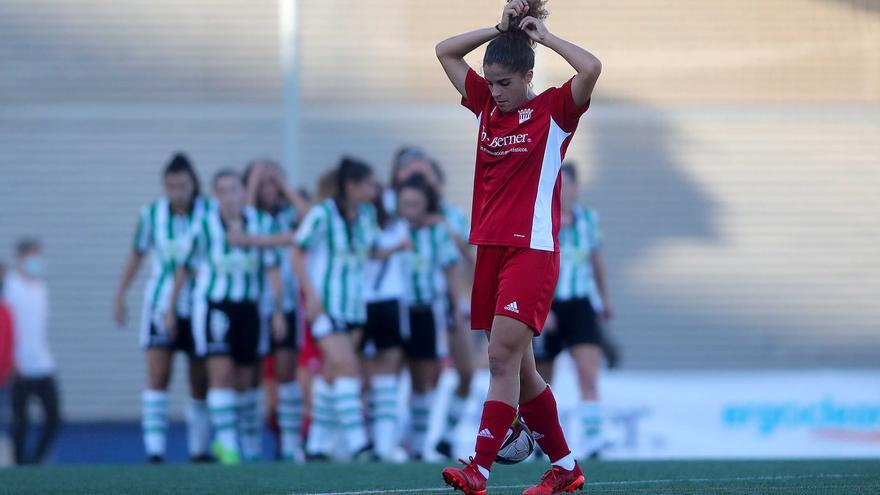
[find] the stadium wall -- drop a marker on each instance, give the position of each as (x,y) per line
(731,150)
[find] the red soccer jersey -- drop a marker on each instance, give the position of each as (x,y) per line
(519,154)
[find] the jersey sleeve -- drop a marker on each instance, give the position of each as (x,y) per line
(448,254)
(594,233)
(314,223)
(563,108)
(458,223)
(477,90)
(143,236)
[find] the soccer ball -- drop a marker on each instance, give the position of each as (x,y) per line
(518,444)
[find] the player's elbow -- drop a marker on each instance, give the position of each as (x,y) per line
(440,51)
(595,68)
(443,50)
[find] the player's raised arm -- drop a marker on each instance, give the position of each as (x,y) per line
(451,51)
(586,64)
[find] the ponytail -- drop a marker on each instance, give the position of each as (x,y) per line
(514,49)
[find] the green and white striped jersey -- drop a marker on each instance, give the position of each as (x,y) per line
(433,251)
(337,253)
(284,222)
(577,242)
(226,273)
(456,220)
(168,238)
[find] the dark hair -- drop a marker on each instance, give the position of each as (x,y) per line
(224,173)
(180,163)
(350,170)
(569,169)
(514,49)
(404,156)
(27,244)
(420,183)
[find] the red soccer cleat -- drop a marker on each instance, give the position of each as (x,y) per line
(558,480)
(467,479)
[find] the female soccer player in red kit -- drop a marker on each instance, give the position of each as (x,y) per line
(522,140)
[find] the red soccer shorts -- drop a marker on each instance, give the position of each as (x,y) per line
(515,282)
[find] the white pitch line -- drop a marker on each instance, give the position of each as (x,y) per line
(435,489)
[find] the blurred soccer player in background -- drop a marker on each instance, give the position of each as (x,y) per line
(580,307)
(165,231)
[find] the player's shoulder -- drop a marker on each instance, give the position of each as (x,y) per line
(154,206)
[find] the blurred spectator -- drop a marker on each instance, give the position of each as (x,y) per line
(6,357)
(26,296)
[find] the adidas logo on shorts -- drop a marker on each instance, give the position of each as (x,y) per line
(485,433)
(512,307)
(536,435)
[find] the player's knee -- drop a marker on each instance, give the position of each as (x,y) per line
(503,360)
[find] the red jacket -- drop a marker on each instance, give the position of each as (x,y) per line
(7,354)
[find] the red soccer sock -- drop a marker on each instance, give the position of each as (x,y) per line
(542,418)
(497,418)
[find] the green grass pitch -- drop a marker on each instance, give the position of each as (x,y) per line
(841,477)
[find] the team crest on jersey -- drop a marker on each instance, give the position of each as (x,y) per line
(525,114)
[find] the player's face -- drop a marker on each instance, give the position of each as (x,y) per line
(363,191)
(509,88)
(569,192)
(179,188)
(412,205)
(268,191)
(230,193)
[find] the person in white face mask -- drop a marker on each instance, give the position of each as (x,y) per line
(26,295)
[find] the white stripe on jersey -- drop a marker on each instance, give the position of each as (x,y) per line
(227,273)
(576,243)
(336,256)
(542,218)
